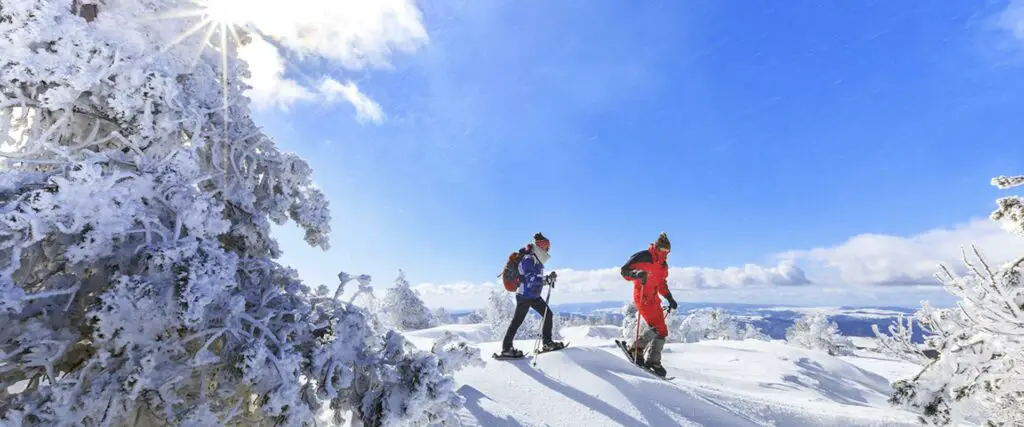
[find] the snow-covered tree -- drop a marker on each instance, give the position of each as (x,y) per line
(138,281)
(816,332)
(979,342)
(441,316)
(629,319)
(899,341)
(712,324)
(473,318)
(403,308)
(751,332)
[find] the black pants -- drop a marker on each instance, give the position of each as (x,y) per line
(522,308)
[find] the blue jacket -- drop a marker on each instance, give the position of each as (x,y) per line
(531,280)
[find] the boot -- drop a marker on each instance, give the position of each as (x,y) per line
(511,352)
(653,361)
(553,345)
(636,354)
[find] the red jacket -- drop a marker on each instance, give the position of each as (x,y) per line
(653,262)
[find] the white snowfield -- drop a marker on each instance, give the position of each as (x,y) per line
(717,383)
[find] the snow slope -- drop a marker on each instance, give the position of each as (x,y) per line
(718,383)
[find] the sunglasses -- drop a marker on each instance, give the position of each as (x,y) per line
(544,244)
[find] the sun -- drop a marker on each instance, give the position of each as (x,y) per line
(229,12)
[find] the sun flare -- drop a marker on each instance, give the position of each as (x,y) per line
(232,12)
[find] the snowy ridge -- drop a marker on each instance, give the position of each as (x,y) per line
(718,383)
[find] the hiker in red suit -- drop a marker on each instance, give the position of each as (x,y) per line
(648,270)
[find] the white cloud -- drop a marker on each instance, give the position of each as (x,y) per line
(867,269)
(455,295)
(352,34)
(878,259)
(269,87)
(1012,18)
(366,108)
(606,284)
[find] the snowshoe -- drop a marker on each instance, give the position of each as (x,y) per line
(637,359)
(553,346)
(509,354)
(642,365)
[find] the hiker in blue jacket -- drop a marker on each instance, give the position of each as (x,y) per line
(528,295)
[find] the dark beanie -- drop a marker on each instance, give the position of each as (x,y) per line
(538,237)
(663,242)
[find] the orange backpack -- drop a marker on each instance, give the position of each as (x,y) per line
(510,276)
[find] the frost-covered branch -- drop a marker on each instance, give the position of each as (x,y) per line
(980,367)
(899,342)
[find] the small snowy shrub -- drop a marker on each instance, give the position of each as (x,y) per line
(980,341)
(473,318)
(814,331)
(402,307)
(712,324)
(899,342)
(441,317)
(629,319)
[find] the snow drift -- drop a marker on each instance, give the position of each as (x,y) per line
(716,383)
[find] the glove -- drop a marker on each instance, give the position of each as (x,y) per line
(639,274)
(550,279)
(671,303)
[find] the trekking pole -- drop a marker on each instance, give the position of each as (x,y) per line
(636,341)
(536,344)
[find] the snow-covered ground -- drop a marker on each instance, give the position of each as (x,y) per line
(717,383)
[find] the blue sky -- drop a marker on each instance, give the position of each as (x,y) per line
(764,134)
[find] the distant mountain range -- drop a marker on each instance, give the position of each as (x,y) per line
(773,320)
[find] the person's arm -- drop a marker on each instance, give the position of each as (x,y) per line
(628,271)
(663,290)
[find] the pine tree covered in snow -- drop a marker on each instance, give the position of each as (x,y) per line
(980,345)
(629,319)
(403,308)
(816,332)
(440,317)
(138,284)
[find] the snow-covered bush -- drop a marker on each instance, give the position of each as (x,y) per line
(440,317)
(138,281)
(816,332)
(899,341)
(629,319)
(403,308)
(501,306)
(980,341)
(416,388)
(712,324)
(473,318)
(697,325)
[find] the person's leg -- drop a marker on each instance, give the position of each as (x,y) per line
(522,308)
(656,318)
(656,328)
(542,308)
